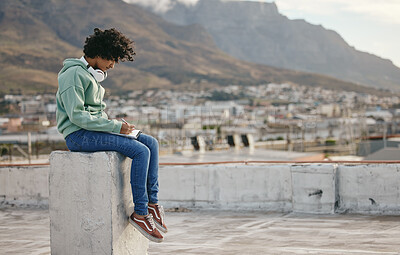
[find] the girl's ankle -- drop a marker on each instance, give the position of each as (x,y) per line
(140,216)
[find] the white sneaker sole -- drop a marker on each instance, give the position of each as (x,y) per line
(147,235)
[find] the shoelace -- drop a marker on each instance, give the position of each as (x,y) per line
(149,218)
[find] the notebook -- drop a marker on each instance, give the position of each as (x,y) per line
(135,134)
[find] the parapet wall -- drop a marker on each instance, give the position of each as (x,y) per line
(24,186)
(321,188)
(371,188)
(266,187)
(325,188)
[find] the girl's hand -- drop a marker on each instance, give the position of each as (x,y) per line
(127,128)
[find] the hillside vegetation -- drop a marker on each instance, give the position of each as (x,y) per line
(36,36)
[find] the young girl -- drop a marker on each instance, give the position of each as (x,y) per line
(86,127)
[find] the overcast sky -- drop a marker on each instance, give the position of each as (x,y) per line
(369,25)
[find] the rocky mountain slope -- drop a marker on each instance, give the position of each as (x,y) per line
(37,35)
(257,32)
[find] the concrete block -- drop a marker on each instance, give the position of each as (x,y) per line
(204,178)
(372,188)
(253,187)
(24,186)
(250,139)
(89,203)
(238,141)
(202,144)
(227,187)
(176,183)
(184,186)
(3,182)
(314,188)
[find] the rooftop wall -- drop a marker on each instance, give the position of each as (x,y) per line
(24,185)
(369,188)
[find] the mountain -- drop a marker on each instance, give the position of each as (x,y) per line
(258,33)
(37,35)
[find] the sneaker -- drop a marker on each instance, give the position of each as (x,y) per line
(146,227)
(157,211)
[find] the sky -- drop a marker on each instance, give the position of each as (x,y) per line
(371,26)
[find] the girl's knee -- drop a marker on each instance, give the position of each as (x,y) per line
(154,142)
(151,142)
(143,151)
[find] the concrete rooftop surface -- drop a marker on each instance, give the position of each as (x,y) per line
(26,231)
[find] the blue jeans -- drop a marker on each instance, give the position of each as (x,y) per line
(144,155)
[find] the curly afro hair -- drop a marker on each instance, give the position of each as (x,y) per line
(109,44)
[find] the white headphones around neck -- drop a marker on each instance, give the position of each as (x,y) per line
(98,74)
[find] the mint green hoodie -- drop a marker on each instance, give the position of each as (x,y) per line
(80,101)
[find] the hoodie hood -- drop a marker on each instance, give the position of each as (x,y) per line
(70,62)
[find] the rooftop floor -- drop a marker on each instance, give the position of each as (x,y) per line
(26,231)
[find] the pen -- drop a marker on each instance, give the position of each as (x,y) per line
(124,121)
